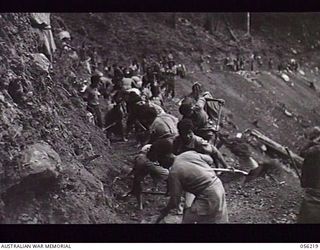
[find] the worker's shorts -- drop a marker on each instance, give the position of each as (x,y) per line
(209,207)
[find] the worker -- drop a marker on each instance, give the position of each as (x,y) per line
(191,172)
(310,178)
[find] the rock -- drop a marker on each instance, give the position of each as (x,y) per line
(64,35)
(37,164)
(285,77)
(287,113)
(293,51)
(41,63)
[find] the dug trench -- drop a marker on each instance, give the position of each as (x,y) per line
(52,122)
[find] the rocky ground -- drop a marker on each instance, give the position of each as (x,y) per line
(52,118)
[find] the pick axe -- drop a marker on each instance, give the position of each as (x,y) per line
(218,124)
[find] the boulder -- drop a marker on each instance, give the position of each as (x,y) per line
(39,158)
(41,63)
(36,165)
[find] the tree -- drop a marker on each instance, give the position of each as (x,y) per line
(173,20)
(248,23)
(208,25)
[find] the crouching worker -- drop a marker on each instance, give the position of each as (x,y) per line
(191,172)
(161,125)
(143,167)
(92,97)
(310,179)
(187,141)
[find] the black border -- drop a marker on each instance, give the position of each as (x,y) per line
(160,233)
(123,233)
(160,5)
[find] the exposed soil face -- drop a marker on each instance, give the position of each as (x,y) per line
(55,114)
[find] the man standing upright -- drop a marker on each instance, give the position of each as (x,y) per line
(310,178)
(92,97)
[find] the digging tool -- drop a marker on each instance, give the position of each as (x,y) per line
(109,126)
(87,160)
(217,125)
(141,125)
(293,163)
(236,171)
(154,193)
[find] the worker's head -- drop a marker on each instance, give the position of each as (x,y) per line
(186,110)
(196,87)
(185,128)
(149,114)
(313,133)
(162,151)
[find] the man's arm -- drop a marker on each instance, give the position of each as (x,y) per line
(216,153)
(201,103)
(209,149)
(175,192)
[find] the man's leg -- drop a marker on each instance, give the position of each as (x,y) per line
(98,115)
(173,89)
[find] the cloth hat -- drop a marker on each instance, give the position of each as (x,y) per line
(146,148)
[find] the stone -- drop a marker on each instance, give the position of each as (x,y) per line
(285,77)
(41,63)
(36,165)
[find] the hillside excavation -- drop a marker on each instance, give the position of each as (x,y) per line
(112,118)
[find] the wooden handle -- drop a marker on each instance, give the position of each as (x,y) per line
(230,171)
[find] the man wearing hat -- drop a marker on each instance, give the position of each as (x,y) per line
(191,172)
(170,73)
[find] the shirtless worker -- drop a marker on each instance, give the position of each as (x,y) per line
(191,172)
(92,97)
(187,141)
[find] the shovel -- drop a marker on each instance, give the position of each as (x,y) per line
(226,170)
(293,163)
(218,125)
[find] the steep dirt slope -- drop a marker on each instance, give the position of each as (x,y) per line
(49,114)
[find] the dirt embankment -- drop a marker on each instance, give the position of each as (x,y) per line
(77,192)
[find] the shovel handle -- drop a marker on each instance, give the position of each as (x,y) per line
(238,171)
(293,163)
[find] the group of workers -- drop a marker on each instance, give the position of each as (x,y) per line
(255,62)
(181,153)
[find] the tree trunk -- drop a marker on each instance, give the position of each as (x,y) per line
(208,23)
(248,23)
(276,146)
(174,20)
